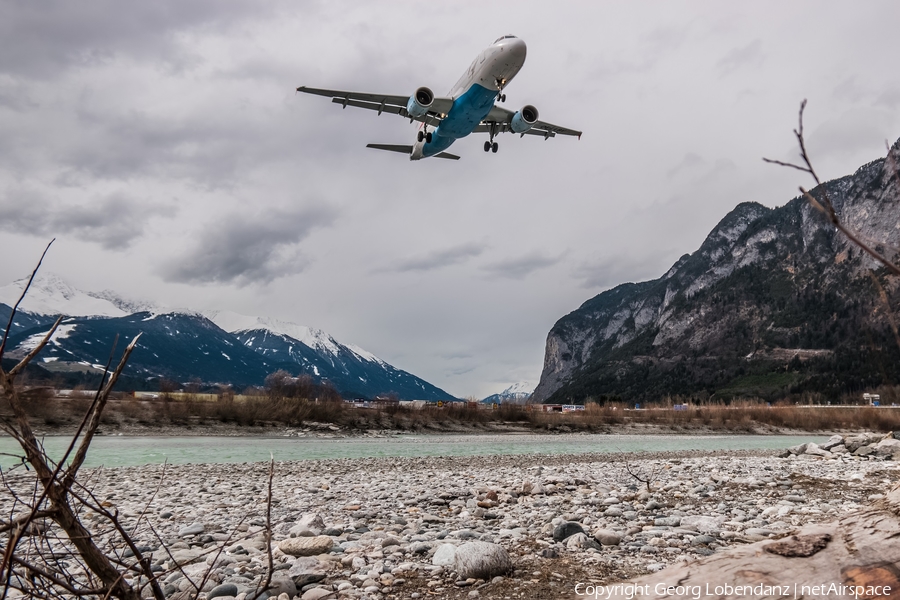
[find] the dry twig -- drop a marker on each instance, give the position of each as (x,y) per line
(824,204)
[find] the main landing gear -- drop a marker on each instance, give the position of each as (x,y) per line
(424,136)
(492,146)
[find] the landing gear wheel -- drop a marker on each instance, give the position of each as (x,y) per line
(487,146)
(494,147)
(428,137)
(420,136)
(502,97)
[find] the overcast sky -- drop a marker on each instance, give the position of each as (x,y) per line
(164,146)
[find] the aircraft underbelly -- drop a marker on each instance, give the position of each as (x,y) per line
(468,111)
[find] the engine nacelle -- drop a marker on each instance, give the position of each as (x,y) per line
(420,102)
(524,119)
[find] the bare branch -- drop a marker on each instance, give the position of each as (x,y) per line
(96,410)
(271,569)
(57,581)
(19,521)
(785,164)
(638,474)
(34,352)
(12,313)
(824,204)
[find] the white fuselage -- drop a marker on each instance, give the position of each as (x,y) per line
(474,94)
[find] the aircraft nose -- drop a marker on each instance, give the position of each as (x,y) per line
(516,48)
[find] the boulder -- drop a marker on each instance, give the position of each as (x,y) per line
(282,584)
(306,546)
(565,530)
(581,541)
(309,525)
(225,589)
(193,529)
(702,524)
(482,560)
(607,537)
(816,450)
(887,447)
(186,557)
(858,550)
(798,449)
(833,441)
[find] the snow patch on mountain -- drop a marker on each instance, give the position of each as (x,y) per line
(125,304)
(61,333)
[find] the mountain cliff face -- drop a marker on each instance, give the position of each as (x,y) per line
(774,302)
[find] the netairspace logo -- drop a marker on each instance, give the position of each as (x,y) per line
(696,592)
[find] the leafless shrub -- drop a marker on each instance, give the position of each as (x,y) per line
(646,475)
(49,552)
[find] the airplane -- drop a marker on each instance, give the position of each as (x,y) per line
(469,108)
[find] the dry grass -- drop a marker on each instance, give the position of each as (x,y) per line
(284,411)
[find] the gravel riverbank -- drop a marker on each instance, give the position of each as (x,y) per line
(403,527)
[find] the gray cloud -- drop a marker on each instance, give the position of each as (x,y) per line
(889,98)
(114,221)
(39,39)
(749,55)
(522,266)
(243,249)
(441,258)
(612,271)
(689,162)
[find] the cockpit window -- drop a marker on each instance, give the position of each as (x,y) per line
(505,37)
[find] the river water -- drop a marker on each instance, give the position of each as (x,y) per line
(117,451)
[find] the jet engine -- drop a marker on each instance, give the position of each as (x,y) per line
(524,119)
(420,102)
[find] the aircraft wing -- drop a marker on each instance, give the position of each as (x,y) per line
(395,105)
(501,118)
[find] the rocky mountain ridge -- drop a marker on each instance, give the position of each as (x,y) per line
(774,302)
(183,345)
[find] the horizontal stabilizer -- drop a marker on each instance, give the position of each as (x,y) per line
(447,155)
(391,148)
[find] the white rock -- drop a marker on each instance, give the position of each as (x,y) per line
(482,560)
(444,556)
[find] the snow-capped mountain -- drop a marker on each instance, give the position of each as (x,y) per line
(350,368)
(517,393)
(313,338)
(50,295)
(215,347)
